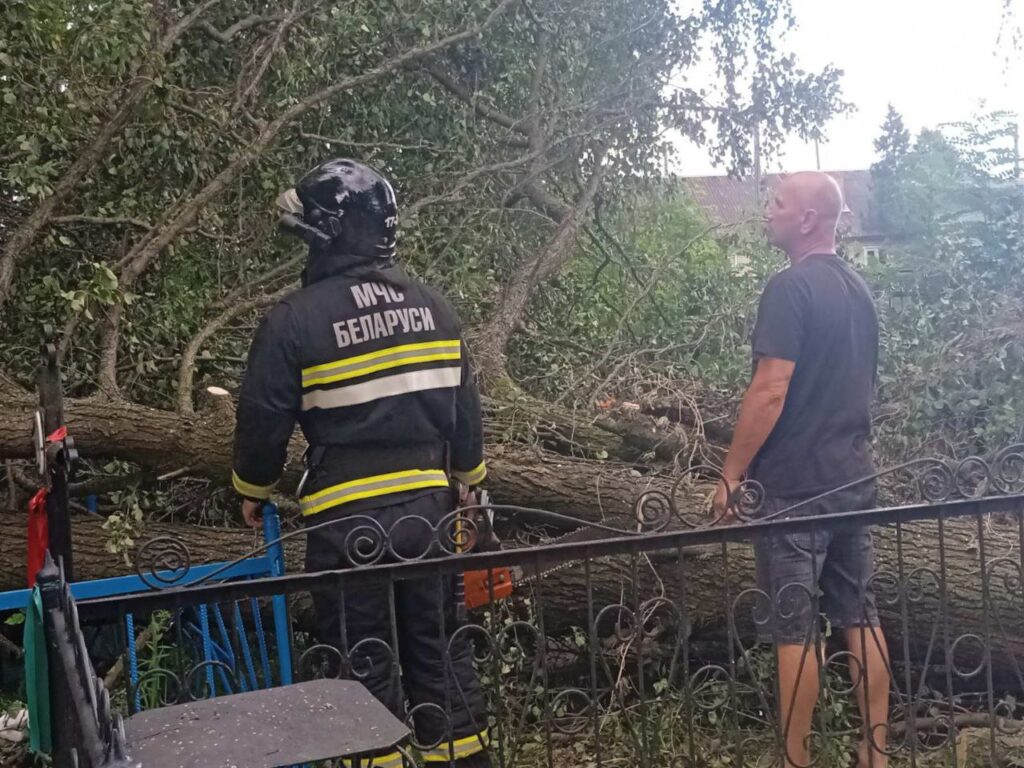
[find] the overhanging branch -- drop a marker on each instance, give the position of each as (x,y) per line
(139,258)
(224,36)
(19,241)
(186,371)
(488,113)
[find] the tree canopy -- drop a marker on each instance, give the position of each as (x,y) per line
(145,141)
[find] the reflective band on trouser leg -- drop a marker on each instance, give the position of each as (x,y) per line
(474,476)
(374,485)
(249,489)
(457,749)
(390,760)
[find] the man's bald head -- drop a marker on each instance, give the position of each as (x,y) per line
(818,191)
(803,214)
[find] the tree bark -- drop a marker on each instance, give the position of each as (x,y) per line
(94,561)
(201,444)
(534,270)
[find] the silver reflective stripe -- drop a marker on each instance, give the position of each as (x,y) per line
(386,386)
(368,365)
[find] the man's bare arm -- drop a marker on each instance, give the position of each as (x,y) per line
(759,412)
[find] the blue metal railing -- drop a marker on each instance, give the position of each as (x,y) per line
(211,632)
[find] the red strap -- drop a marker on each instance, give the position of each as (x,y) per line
(38,527)
(38,534)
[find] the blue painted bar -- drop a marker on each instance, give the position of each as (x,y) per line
(219,649)
(204,626)
(261,640)
(133,660)
(17,599)
(243,646)
(282,632)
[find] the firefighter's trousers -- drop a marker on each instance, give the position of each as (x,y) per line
(396,637)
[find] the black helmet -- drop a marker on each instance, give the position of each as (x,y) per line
(343,208)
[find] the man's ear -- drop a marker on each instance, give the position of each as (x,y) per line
(808,221)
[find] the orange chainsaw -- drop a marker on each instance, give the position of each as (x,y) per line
(479,587)
(476,588)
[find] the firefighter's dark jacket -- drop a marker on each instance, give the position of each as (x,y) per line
(372,365)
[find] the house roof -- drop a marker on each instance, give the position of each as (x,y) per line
(728,200)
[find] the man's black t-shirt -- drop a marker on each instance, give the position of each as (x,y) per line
(819,314)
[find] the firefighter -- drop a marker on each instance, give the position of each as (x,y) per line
(372,365)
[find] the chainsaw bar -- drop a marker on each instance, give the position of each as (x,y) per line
(526,574)
(522,575)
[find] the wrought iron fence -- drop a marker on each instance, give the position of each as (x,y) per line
(654,646)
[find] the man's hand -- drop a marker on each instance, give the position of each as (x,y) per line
(721,508)
(759,412)
(252,511)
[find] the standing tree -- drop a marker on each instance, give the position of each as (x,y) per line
(953,347)
(893,147)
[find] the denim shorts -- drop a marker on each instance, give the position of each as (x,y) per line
(825,570)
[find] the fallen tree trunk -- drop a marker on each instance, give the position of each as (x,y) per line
(94,561)
(201,443)
(705,585)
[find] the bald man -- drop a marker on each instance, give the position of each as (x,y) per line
(803,430)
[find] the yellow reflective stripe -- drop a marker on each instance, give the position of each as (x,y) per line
(390,760)
(376,492)
(373,485)
(379,354)
(357,372)
(249,489)
(405,473)
(474,476)
(459,748)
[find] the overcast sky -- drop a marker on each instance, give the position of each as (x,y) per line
(935,60)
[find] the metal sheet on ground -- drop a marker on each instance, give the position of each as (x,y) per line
(292,724)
